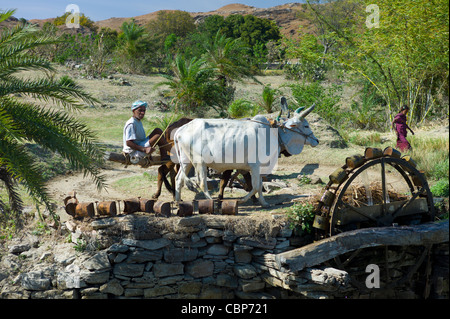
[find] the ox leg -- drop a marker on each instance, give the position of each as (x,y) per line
(223,182)
(202,173)
(180,179)
(173,173)
(256,187)
(162,172)
(248,185)
(159,182)
(260,194)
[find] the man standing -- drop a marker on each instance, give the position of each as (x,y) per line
(135,142)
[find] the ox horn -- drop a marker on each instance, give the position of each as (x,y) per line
(284,108)
(307,111)
(297,111)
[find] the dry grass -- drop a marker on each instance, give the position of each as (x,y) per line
(357,195)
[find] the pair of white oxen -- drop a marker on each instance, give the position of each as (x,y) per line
(248,145)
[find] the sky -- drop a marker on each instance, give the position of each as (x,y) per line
(105,9)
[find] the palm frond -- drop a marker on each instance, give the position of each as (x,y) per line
(59,132)
(15,64)
(21,167)
(23,37)
(64,94)
(6,14)
(22,122)
(10,184)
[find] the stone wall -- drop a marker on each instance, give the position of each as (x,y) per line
(202,256)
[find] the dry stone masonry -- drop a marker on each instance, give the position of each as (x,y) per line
(202,256)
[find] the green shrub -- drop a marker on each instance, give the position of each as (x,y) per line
(301,217)
(366,115)
(368,140)
(441,188)
(304,180)
(242,108)
(326,99)
(440,169)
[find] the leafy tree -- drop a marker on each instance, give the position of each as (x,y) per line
(326,98)
(26,121)
(167,36)
(101,51)
(329,16)
(268,97)
(405,56)
(172,26)
(211,25)
(177,22)
(229,57)
(258,30)
(412,54)
(252,30)
(308,52)
(232,25)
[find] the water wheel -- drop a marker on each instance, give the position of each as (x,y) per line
(380,188)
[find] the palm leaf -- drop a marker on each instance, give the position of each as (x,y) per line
(46,90)
(10,184)
(22,122)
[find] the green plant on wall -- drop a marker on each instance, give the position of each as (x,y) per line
(301,217)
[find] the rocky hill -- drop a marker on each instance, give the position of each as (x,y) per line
(284,15)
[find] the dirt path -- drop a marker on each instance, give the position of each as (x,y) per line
(86,190)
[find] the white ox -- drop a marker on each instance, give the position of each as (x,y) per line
(248,145)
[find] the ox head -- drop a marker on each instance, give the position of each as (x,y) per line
(298,132)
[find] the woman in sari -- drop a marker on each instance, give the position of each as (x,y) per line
(400,127)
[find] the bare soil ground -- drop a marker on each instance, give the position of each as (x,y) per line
(134,181)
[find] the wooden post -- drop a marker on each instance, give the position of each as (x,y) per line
(354,161)
(372,152)
(144,162)
(338,176)
(389,151)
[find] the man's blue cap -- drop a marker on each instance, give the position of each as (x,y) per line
(138,104)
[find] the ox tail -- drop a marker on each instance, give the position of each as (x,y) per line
(169,187)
